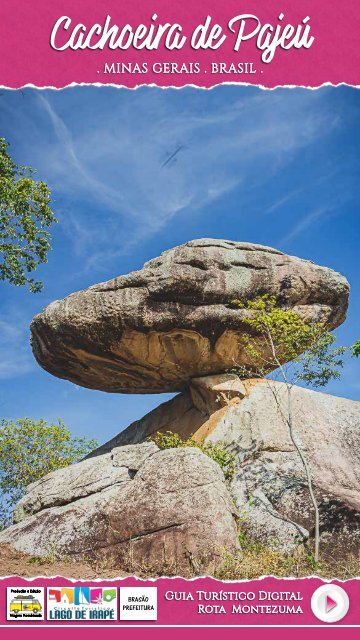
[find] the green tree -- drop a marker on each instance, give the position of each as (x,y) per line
(355,349)
(25,216)
(29,449)
(300,352)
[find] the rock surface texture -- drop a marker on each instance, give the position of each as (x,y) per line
(269,485)
(153,330)
(132,506)
(135,509)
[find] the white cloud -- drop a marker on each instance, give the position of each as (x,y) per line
(327,210)
(15,356)
(304,223)
(284,200)
(113,160)
(65,139)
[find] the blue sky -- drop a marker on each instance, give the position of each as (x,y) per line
(279,168)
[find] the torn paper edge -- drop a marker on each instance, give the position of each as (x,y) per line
(194,579)
(184,86)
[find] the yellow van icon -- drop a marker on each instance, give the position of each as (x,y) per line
(25,603)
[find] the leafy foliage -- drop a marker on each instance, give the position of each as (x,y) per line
(286,338)
(30,449)
(25,215)
(355,349)
(299,351)
(217,452)
(321,362)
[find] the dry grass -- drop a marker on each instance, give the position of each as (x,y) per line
(253,561)
(15,563)
(256,560)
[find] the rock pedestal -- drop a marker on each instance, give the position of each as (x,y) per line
(137,507)
(269,485)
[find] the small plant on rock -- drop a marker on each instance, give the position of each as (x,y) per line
(216,451)
(281,341)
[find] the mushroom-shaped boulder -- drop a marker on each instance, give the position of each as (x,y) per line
(155,329)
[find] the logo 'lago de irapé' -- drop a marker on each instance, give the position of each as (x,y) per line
(82,603)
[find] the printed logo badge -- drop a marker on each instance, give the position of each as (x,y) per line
(82,603)
(25,603)
(138,603)
(330,603)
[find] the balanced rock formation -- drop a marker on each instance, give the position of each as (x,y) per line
(269,485)
(172,327)
(154,330)
(135,509)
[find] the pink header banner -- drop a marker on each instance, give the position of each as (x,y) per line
(178,602)
(204,43)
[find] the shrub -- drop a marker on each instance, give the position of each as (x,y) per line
(29,449)
(216,451)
